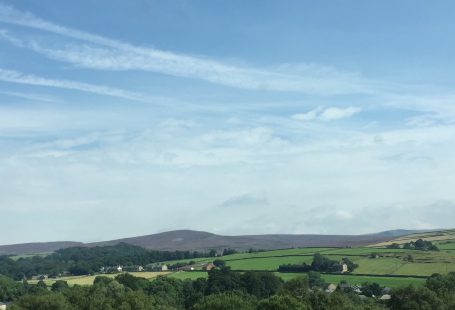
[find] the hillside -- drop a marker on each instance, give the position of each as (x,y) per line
(202,241)
(447,236)
(36,247)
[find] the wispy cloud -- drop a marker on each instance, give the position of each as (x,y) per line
(117,55)
(327,114)
(21,78)
(28,96)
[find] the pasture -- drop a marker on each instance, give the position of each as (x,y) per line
(88,280)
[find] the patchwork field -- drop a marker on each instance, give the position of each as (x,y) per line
(88,280)
(390,267)
(434,236)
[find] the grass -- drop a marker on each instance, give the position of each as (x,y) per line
(88,280)
(299,251)
(192,275)
(266,263)
(435,236)
(16,257)
(379,265)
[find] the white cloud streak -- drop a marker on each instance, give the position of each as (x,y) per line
(327,114)
(13,76)
(117,55)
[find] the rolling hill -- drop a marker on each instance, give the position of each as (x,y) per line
(202,241)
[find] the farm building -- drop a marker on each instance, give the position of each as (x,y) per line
(208,267)
(331,288)
(344,268)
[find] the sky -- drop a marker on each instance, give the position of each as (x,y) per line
(124,118)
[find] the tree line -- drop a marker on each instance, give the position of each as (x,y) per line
(222,290)
(320,263)
(88,260)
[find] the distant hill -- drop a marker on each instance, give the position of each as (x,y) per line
(447,235)
(203,241)
(36,247)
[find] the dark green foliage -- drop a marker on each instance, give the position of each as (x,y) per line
(167,291)
(132,282)
(59,286)
(371,289)
(297,287)
(223,279)
(413,298)
(315,280)
(229,251)
(224,289)
(226,301)
(421,245)
(321,264)
(219,263)
(282,302)
(85,260)
(9,289)
(261,284)
(444,287)
(46,301)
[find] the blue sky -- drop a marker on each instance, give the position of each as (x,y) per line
(121,118)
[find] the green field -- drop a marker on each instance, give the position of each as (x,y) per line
(266,263)
(88,280)
(408,265)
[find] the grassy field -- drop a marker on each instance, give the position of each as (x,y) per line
(434,236)
(388,261)
(16,257)
(88,280)
(266,263)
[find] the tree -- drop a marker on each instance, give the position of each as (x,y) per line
(282,302)
(261,284)
(219,263)
(223,279)
(393,246)
(371,289)
(48,301)
(297,287)
(413,298)
(59,286)
(315,280)
(226,301)
(132,282)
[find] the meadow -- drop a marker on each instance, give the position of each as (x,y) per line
(88,280)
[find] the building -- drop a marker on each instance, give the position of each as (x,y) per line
(208,267)
(344,268)
(331,288)
(164,268)
(2,306)
(385,297)
(119,268)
